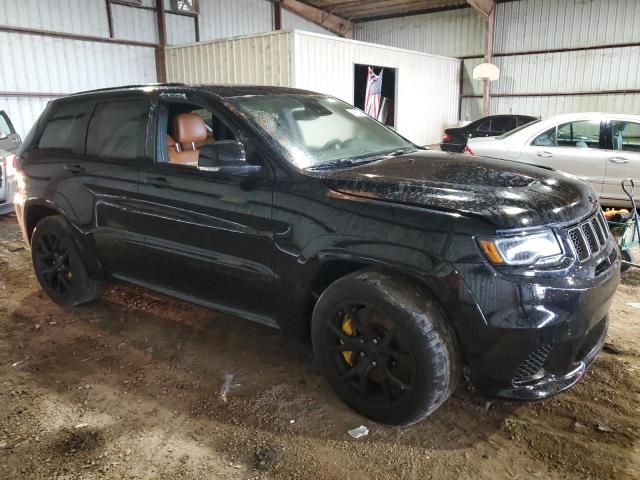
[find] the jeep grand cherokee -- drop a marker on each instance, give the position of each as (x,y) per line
(408,268)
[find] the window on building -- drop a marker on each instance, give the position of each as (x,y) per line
(187,6)
(65,128)
(118,130)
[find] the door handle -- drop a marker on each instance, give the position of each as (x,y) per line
(159,182)
(14,140)
(545,154)
(75,169)
(619,160)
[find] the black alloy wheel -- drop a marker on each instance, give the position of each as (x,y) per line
(385,346)
(58,266)
(373,356)
(53,263)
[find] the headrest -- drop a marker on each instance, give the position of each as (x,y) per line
(170,141)
(189,128)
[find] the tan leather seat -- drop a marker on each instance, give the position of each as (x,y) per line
(190,133)
(172,149)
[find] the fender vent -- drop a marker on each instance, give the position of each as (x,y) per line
(532,364)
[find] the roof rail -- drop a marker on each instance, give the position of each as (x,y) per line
(128,87)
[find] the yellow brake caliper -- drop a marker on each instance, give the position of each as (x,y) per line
(348,329)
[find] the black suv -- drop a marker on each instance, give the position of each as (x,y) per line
(408,268)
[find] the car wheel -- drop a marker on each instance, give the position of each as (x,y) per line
(58,265)
(385,347)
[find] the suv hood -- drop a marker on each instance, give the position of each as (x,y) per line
(505,193)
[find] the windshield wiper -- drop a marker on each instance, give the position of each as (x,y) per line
(402,151)
(342,162)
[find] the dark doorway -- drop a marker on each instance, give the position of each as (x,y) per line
(388,101)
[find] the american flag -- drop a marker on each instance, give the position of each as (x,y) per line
(373,94)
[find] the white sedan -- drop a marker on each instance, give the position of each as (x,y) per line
(600,148)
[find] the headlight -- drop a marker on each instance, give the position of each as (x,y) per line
(536,249)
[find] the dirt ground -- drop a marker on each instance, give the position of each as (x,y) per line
(142,386)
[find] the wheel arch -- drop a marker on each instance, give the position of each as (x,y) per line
(35,211)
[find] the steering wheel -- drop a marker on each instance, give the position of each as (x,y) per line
(334,144)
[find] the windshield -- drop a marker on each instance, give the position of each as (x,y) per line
(318,131)
(515,130)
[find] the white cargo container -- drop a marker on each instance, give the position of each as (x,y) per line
(423,89)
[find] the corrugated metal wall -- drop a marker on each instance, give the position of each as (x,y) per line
(225,19)
(454,33)
(260,60)
(35,68)
(530,80)
(426,85)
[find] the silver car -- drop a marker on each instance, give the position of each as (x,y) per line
(9,143)
(601,148)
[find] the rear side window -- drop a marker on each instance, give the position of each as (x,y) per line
(503,124)
(5,126)
(118,130)
(484,126)
(65,128)
(581,134)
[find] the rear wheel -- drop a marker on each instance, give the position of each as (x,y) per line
(58,265)
(385,347)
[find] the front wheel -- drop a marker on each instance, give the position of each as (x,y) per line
(58,265)
(385,347)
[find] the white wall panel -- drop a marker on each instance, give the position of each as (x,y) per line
(32,63)
(587,70)
(455,33)
(261,60)
(426,85)
(542,24)
(548,106)
(23,111)
(225,19)
(86,17)
(291,21)
(135,24)
(181,29)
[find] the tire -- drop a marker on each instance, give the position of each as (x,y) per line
(58,266)
(385,347)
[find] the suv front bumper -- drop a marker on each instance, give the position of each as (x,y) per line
(539,334)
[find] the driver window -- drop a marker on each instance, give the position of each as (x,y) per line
(187,128)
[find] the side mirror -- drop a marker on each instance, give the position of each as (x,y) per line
(227,157)
(3,136)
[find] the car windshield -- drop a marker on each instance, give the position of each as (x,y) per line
(321,132)
(515,130)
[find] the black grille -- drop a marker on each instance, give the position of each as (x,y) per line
(589,237)
(532,364)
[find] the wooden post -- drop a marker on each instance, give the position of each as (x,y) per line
(161,61)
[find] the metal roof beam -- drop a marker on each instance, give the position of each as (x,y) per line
(334,23)
(485,7)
